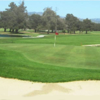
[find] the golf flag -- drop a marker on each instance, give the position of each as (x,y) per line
(56,33)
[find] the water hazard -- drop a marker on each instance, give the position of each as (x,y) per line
(5,35)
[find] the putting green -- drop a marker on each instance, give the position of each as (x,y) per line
(61,55)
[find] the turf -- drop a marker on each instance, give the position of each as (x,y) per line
(77,40)
(13,66)
(61,55)
(38,60)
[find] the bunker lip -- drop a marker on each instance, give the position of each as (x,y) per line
(13,89)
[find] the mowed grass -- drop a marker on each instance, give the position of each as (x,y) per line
(15,65)
(61,55)
(38,60)
(77,40)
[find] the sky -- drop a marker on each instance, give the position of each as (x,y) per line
(81,8)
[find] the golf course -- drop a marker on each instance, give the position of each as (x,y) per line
(49,50)
(38,60)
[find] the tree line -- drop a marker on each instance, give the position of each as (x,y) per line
(16,17)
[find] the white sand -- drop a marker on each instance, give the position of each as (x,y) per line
(12,89)
(93,45)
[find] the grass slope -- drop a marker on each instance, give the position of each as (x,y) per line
(13,66)
(61,55)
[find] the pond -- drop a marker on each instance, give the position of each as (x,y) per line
(5,35)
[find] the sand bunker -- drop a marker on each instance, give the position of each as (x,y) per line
(93,45)
(39,36)
(12,89)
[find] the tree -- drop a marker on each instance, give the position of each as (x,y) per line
(61,23)
(71,22)
(35,21)
(12,16)
(15,17)
(0,20)
(21,17)
(5,20)
(96,27)
(87,25)
(80,26)
(49,19)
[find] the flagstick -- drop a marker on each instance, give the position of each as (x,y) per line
(55,41)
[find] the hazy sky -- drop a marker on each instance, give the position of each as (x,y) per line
(80,8)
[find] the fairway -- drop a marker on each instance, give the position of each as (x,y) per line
(38,59)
